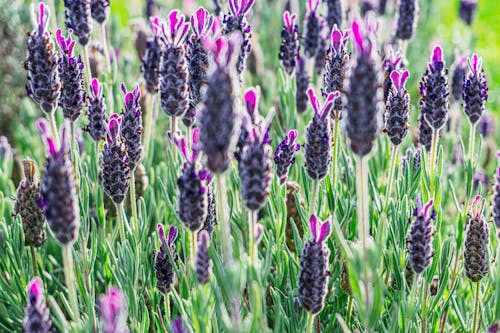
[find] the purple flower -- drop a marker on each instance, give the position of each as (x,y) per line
(96,112)
(131,127)
(407,18)
(283,155)
(164,269)
(151,61)
(420,237)
(301,85)
(78,18)
(392,62)
(477,236)
(42,64)
(202,266)
(99,10)
(113,311)
(313,274)
(458,77)
(289,48)
(475,90)
(72,97)
(397,113)
(37,313)
(467,10)
(334,15)
(177,326)
(313,28)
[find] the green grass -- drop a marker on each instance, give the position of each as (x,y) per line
(266,297)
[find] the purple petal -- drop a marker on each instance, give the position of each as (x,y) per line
(251,100)
(96,88)
(313,99)
(161,232)
(35,287)
(427,207)
(292,135)
(437,54)
(358,37)
(324,232)
(313,224)
(155,25)
(172,235)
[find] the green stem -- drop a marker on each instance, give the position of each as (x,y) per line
(252,218)
(121,221)
(33,261)
(192,236)
(167,306)
(472,137)
(432,161)
(312,197)
(310,321)
(87,66)
(53,128)
(133,202)
(392,166)
(75,154)
(424,305)
(149,122)
(223,218)
(349,312)
(475,324)
(70,279)
(335,142)
(173,130)
(362,205)
(105,48)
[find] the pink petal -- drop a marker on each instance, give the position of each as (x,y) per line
(313,224)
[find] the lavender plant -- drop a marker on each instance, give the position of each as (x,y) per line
(301,85)
(289,48)
(284,155)
(311,37)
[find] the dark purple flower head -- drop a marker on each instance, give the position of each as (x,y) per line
(406,18)
(434,90)
(475,90)
(72,97)
(301,85)
(42,63)
(397,113)
(458,76)
(131,129)
(313,29)
(78,18)
(467,10)
(152,57)
(177,326)
(289,48)
(486,125)
(283,155)
(37,314)
(99,10)
(476,243)
(175,31)
(113,311)
(392,62)
(96,112)
(171,237)
(334,15)
(495,328)
(313,274)
(202,266)
(420,237)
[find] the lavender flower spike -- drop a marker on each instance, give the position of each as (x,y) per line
(467,10)
(289,48)
(475,90)
(301,85)
(99,9)
(114,173)
(202,266)
(392,62)
(79,19)
(131,127)
(72,97)
(255,166)
(364,93)
(313,274)
(458,77)
(313,29)
(477,236)
(164,269)
(197,55)
(236,21)
(96,112)
(58,188)
(335,68)
(113,311)
(283,155)
(407,19)
(151,61)
(37,313)
(42,63)
(174,94)
(434,90)
(496,195)
(397,113)
(334,15)
(420,237)
(192,199)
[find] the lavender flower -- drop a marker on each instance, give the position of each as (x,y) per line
(364,94)
(73,96)
(366,7)
(479,178)
(313,28)
(434,90)
(42,63)
(335,68)
(114,173)
(219,117)
(318,137)
(96,112)
(407,18)
(131,127)
(164,269)
(151,61)
(113,311)
(412,159)
(99,10)
(202,267)
(177,326)
(289,48)
(313,274)
(321,52)
(458,77)
(477,235)
(382,7)
(211,219)
(151,9)
(467,10)
(496,196)
(58,189)
(424,132)
(29,205)
(420,237)
(78,18)
(201,25)
(475,92)
(301,85)
(192,200)
(174,95)
(255,166)
(334,14)
(236,20)
(397,114)
(5,149)
(283,155)
(391,63)
(486,125)
(37,313)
